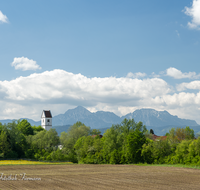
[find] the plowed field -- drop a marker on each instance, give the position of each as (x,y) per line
(91,177)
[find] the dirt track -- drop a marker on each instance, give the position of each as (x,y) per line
(106,177)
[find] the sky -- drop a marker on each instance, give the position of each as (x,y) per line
(114,55)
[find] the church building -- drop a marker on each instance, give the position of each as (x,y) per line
(46,119)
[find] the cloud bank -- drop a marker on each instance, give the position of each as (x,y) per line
(194,13)
(3,18)
(68,87)
(59,90)
(24,64)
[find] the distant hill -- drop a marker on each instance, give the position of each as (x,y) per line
(160,131)
(151,117)
(94,120)
(5,121)
(159,121)
(32,122)
(101,119)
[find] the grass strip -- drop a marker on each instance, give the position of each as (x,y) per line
(172,165)
(27,162)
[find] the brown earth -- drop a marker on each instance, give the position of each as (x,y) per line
(92,177)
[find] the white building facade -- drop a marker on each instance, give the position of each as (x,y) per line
(46,120)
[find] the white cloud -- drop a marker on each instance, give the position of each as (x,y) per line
(177,74)
(194,12)
(154,75)
(61,87)
(136,75)
(59,90)
(194,85)
(59,84)
(3,18)
(181,99)
(185,105)
(23,63)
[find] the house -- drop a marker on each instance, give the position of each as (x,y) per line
(93,136)
(46,120)
(157,138)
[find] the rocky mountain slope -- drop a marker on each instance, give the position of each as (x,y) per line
(158,120)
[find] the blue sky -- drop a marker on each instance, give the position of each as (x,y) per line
(111,55)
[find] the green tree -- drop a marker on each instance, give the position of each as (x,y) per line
(151,131)
(116,142)
(156,151)
(147,151)
(37,128)
(95,132)
(4,145)
(43,143)
(87,150)
(133,147)
(182,153)
(57,155)
(84,149)
(74,133)
(51,139)
(16,140)
(194,151)
(69,139)
(189,133)
(1,126)
(25,127)
(179,134)
(44,140)
(63,138)
(130,125)
(112,145)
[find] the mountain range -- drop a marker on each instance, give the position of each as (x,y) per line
(159,121)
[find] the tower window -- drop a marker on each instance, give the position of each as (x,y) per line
(48,120)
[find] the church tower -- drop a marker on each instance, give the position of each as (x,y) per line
(46,119)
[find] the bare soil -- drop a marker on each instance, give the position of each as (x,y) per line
(92,177)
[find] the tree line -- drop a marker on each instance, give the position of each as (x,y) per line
(125,143)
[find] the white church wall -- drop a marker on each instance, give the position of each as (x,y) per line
(46,122)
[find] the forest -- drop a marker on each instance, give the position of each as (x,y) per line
(125,143)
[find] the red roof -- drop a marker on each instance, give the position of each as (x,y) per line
(93,136)
(155,137)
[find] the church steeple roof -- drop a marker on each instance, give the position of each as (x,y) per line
(47,113)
